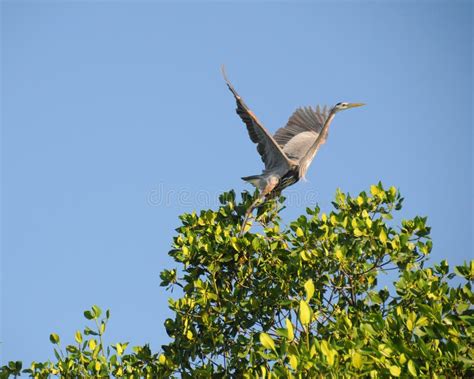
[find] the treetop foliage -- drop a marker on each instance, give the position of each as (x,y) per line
(304,300)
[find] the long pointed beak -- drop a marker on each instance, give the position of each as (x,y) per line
(353,105)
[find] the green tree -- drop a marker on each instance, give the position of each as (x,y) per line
(298,301)
(304,301)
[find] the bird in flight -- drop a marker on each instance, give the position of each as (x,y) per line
(287,154)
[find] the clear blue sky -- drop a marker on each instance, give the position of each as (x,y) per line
(106,107)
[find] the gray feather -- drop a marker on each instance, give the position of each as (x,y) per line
(301,130)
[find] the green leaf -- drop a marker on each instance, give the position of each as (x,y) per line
(395,371)
(393,191)
(119,349)
(374,190)
(385,350)
(289,328)
(357,360)
(383,236)
(348,321)
(54,338)
(267,341)
(368,222)
(78,337)
(411,368)
(309,288)
(162,359)
(293,361)
(325,347)
(304,313)
(402,359)
(92,345)
(299,232)
(282,332)
(256,244)
(97,311)
(358,232)
(185,251)
(422,321)
(189,335)
(328,352)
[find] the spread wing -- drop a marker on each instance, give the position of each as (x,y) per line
(271,153)
(301,131)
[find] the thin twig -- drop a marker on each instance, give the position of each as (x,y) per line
(247,215)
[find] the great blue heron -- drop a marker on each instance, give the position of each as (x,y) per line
(288,154)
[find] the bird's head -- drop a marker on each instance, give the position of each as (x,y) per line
(343,106)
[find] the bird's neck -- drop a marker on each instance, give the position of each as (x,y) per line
(309,156)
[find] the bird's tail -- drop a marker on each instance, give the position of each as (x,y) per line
(253,179)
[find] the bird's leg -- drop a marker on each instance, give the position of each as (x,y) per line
(248,213)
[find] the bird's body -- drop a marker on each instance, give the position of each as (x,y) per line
(271,184)
(288,154)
